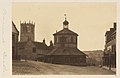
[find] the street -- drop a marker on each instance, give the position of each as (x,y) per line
(40,68)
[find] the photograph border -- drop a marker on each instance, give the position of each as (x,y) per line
(6,41)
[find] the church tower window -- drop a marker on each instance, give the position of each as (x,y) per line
(28,29)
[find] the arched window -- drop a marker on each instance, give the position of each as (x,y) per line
(28,29)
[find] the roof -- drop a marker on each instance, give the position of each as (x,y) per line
(66,51)
(14,29)
(65,31)
(40,45)
(112,30)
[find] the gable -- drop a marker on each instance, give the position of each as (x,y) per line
(14,29)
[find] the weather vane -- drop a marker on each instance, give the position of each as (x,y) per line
(65,16)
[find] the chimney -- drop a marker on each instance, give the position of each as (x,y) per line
(115,24)
(51,43)
(111,29)
(44,40)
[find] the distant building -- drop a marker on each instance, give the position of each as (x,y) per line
(109,58)
(28,48)
(94,57)
(15,34)
(65,48)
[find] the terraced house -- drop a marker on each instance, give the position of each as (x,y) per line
(109,58)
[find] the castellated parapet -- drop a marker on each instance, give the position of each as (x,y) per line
(27,31)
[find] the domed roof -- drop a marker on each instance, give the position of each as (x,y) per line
(65,22)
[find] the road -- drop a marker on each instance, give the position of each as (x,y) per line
(40,68)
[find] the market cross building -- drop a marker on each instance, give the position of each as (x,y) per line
(65,48)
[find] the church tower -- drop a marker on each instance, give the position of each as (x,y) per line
(27,31)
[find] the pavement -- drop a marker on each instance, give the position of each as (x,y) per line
(112,69)
(40,68)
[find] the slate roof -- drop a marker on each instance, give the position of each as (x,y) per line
(111,30)
(65,31)
(39,45)
(66,51)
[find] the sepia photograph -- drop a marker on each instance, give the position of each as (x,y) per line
(64,38)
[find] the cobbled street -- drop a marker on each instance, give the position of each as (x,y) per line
(40,68)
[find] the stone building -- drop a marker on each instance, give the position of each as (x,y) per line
(65,48)
(109,58)
(15,34)
(27,31)
(31,50)
(28,48)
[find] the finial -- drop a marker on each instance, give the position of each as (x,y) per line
(65,17)
(65,23)
(29,21)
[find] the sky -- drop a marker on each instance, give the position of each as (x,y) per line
(89,20)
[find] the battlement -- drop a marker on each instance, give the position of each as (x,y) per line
(27,31)
(30,23)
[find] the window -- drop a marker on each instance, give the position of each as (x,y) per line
(24,29)
(34,50)
(55,39)
(62,39)
(28,29)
